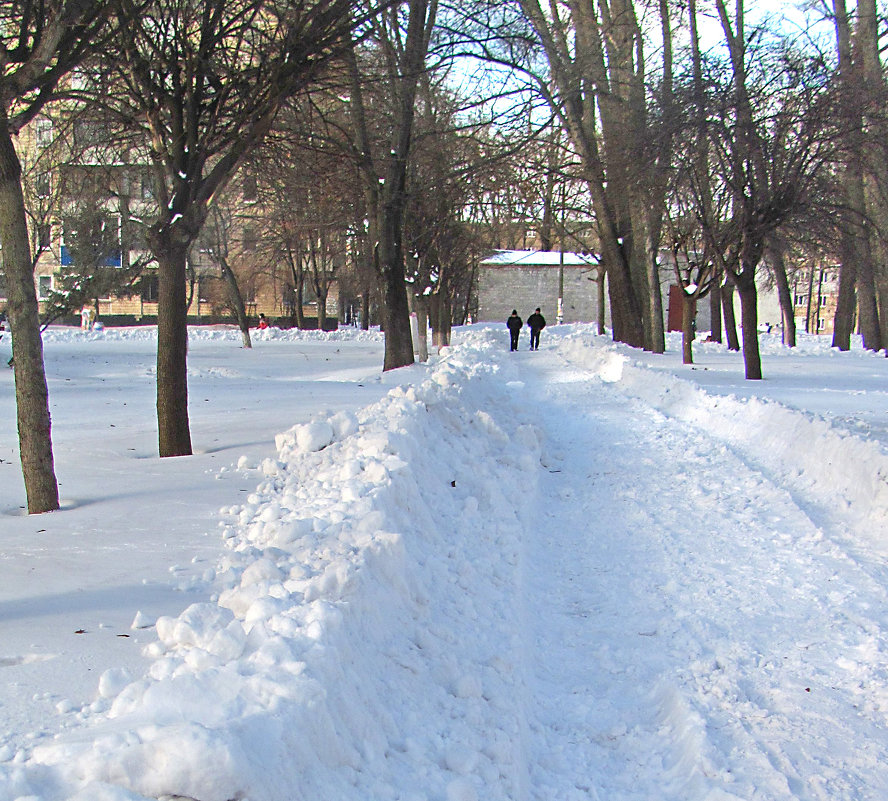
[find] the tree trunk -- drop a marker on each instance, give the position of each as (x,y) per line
(873,85)
(843,321)
(31,393)
(322,309)
(395,311)
(749,324)
(237,301)
(602,308)
(810,298)
(441,315)
(655,301)
(729,317)
(298,275)
(778,261)
(882,297)
(626,311)
(365,308)
(715,310)
(688,315)
(174,435)
(300,305)
(421,307)
(856,271)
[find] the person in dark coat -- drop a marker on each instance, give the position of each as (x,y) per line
(537,323)
(514,322)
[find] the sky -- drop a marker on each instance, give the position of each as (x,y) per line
(583,572)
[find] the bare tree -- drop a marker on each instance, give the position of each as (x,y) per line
(598,67)
(401,40)
(861,86)
(769,131)
(215,239)
(206,81)
(40,43)
(439,241)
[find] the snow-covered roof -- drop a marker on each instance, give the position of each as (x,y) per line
(538,258)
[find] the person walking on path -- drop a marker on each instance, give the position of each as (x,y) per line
(514,322)
(537,323)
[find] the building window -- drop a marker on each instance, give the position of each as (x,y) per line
(149,287)
(801,300)
(821,323)
(44,286)
(823,300)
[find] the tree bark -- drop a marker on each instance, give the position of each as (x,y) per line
(385,195)
(421,307)
(365,309)
(777,250)
(237,301)
(749,325)
(395,309)
(600,85)
(601,311)
(322,308)
(688,315)
(846,303)
(31,392)
(730,318)
(873,86)
(715,310)
(174,434)
(856,275)
(441,315)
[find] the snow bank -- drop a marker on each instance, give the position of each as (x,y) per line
(373,544)
(212,333)
(846,474)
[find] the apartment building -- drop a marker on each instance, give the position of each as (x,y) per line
(69,170)
(815,295)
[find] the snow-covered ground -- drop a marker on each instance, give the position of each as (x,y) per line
(580,573)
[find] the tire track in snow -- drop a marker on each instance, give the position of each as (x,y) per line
(695,635)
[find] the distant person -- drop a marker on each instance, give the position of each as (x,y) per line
(514,322)
(537,323)
(86,318)
(263,323)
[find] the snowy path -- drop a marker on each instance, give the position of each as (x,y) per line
(693,631)
(569,575)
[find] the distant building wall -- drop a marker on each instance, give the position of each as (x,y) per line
(501,289)
(523,280)
(516,280)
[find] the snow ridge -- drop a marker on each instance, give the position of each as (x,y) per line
(291,685)
(814,458)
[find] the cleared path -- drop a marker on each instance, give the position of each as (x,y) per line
(691,633)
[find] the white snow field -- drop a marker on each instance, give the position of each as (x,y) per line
(578,573)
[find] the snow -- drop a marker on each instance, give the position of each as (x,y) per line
(584,572)
(537,258)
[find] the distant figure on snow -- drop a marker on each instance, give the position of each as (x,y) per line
(514,322)
(86,318)
(263,323)
(537,323)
